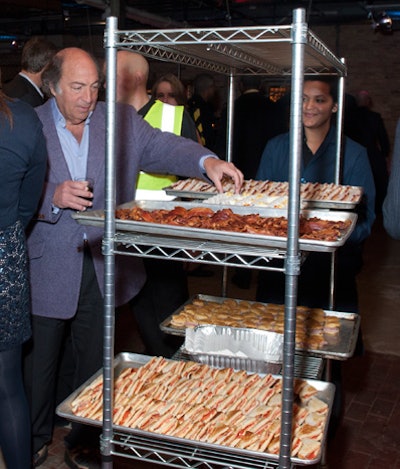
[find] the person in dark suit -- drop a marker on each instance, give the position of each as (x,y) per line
(202,109)
(372,134)
(26,86)
(253,125)
(65,258)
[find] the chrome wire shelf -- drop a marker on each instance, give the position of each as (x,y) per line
(180,455)
(207,252)
(242,49)
(305,366)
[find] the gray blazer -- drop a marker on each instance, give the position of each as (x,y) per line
(55,240)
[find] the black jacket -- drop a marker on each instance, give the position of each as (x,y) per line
(19,87)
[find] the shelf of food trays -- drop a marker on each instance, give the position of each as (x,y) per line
(319,230)
(323,333)
(205,413)
(270,194)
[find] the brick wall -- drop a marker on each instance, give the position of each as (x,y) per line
(373,62)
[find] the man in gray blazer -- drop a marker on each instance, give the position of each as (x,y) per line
(66,263)
(27,84)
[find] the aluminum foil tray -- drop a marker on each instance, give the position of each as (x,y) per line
(124,360)
(339,348)
(239,348)
(247,364)
(96,218)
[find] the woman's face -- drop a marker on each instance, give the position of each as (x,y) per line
(318,104)
(165,93)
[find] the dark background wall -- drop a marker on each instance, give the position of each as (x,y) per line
(373,62)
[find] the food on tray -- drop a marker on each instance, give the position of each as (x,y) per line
(226,220)
(252,200)
(313,325)
(198,402)
(314,191)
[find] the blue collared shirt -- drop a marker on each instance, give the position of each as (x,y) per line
(75,153)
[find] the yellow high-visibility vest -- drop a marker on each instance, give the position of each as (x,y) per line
(167,118)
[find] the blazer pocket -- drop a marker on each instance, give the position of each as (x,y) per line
(35,250)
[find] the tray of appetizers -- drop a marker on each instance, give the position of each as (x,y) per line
(223,410)
(269,193)
(319,230)
(325,333)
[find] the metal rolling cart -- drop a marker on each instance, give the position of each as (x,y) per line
(276,51)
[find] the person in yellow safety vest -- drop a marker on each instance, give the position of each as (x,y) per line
(167,118)
(132,77)
(170,90)
(166,287)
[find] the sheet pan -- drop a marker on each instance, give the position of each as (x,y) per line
(125,360)
(341,348)
(96,218)
(308,203)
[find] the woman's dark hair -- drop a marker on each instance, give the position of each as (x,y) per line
(176,85)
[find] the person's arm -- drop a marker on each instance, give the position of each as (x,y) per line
(216,169)
(164,152)
(391,204)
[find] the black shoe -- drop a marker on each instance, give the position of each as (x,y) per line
(80,457)
(40,456)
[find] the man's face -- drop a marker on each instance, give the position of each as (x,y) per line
(78,88)
(318,104)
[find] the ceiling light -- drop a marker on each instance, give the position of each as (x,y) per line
(381,22)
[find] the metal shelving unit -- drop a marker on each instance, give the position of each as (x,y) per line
(265,50)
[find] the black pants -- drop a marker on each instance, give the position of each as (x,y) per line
(164,291)
(314,281)
(45,350)
(15,432)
